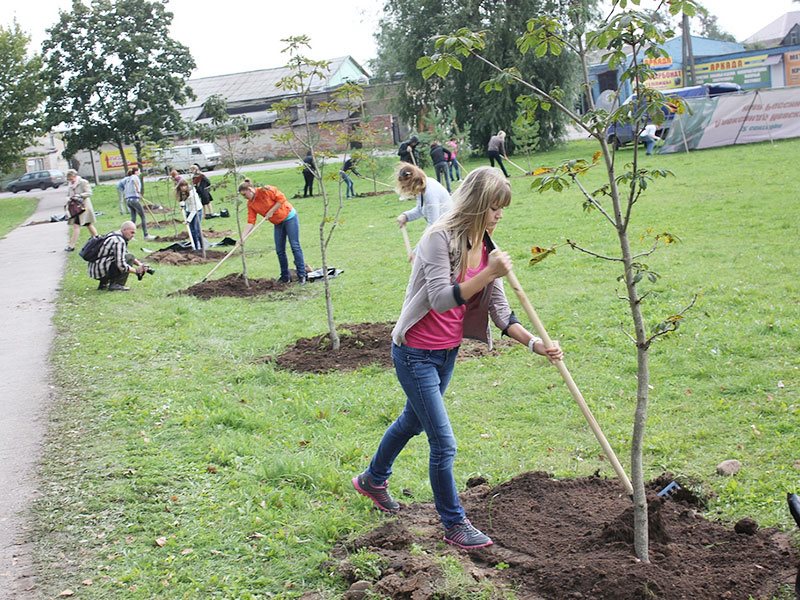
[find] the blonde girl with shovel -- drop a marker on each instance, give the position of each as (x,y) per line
(455,286)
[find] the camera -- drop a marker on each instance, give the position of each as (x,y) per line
(148,270)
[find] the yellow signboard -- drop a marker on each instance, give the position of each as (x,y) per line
(664,80)
(791,61)
(111,160)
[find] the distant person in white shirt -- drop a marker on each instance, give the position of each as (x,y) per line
(649,138)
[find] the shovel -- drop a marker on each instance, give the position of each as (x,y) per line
(516,165)
(239,243)
(565,374)
(409,251)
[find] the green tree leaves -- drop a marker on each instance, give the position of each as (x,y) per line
(113,72)
(21,93)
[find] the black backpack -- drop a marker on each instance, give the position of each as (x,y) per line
(91,249)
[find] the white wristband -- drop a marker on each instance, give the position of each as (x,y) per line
(531,343)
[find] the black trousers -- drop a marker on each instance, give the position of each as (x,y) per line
(308,189)
(494,155)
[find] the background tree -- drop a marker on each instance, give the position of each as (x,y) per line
(21,93)
(229,132)
(404,35)
(526,135)
(623,36)
(114,73)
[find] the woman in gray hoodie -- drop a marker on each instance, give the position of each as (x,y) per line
(455,286)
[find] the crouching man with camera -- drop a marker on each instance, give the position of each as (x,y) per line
(114,263)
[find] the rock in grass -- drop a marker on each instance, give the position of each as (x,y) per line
(746,526)
(728,468)
(358,590)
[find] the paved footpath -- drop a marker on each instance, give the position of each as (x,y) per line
(32,263)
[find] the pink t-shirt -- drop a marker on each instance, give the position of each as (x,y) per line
(442,331)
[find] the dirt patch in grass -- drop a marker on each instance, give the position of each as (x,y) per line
(361,344)
(185,257)
(234,285)
(184,235)
(558,539)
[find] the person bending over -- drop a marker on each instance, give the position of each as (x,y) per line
(269,202)
(114,263)
(497,149)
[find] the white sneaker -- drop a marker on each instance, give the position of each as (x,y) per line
(150,237)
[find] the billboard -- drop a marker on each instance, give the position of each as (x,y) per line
(791,62)
(749,72)
(111,160)
(757,116)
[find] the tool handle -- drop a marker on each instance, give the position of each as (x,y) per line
(239,243)
(573,388)
(409,251)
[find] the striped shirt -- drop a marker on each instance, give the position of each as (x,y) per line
(112,252)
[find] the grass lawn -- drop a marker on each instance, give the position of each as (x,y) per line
(171,428)
(14,211)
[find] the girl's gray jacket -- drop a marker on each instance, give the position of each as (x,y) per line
(433,285)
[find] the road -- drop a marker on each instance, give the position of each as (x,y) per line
(32,263)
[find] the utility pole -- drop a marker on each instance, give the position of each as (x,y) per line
(687,59)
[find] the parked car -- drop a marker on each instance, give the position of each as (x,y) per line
(37,179)
(620,134)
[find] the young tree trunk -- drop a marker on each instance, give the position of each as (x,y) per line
(138,147)
(334,336)
(235,170)
(641,542)
(119,143)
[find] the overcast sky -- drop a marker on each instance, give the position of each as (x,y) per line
(232,36)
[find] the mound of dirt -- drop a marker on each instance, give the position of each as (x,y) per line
(184,235)
(360,344)
(185,257)
(551,541)
(234,285)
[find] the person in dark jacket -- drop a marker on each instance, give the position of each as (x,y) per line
(203,188)
(408,151)
(308,174)
(349,165)
(440,156)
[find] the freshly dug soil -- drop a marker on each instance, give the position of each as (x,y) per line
(233,285)
(185,257)
(557,539)
(184,235)
(361,344)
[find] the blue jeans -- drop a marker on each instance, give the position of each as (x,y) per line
(349,191)
(455,170)
(649,144)
(290,229)
(442,172)
(197,231)
(424,375)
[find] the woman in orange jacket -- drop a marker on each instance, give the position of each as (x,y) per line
(269,202)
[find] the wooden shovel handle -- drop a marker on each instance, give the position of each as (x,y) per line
(565,374)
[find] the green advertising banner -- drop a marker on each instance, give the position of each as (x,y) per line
(749,72)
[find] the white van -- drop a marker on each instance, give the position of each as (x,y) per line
(180,158)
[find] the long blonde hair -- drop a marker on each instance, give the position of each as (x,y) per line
(484,188)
